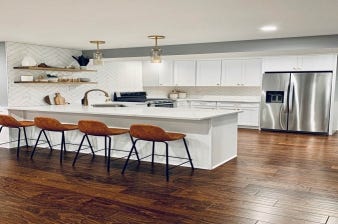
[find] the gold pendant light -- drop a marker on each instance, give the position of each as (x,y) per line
(156,51)
(97,55)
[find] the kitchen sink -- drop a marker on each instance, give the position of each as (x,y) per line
(108,105)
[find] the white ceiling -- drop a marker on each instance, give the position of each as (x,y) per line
(127,23)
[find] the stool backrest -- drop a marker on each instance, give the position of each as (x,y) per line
(148,132)
(48,123)
(92,127)
(9,121)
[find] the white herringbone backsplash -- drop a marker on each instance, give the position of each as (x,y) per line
(113,76)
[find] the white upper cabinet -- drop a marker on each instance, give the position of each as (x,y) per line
(317,62)
(299,63)
(208,73)
(158,74)
(232,72)
(241,72)
(166,73)
(150,74)
(252,72)
(185,73)
(286,63)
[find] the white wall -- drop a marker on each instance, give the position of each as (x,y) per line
(112,76)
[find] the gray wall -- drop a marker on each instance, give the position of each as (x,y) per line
(248,46)
(3,76)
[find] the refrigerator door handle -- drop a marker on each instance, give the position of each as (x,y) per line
(291,92)
(281,112)
(285,100)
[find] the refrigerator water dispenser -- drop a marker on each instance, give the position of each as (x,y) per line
(274,96)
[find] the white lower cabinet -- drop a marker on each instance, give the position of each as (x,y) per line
(182,104)
(249,115)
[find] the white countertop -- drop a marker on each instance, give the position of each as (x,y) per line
(148,112)
(239,99)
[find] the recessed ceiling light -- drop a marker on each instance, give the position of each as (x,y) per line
(269,28)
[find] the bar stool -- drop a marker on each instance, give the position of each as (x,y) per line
(97,128)
(11,122)
(155,134)
(51,124)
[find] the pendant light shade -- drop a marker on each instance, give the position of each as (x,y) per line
(97,55)
(156,52)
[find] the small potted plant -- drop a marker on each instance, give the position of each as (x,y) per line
(82,60)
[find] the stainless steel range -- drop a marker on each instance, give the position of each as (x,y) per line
(142,97)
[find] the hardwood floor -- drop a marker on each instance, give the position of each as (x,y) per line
(276,178)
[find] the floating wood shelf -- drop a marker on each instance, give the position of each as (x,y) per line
(67,83)
(36,68)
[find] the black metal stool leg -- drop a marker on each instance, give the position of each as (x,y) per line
(36,143)
(131,151)
(90,145)
(24,131)
(186,148)
(44,133)
(78,151)
(136,153)
(152,154)
(109,148)
(18,148)
(105,147)
(167,160)
(62,146)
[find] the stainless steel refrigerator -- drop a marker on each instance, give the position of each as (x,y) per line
(296,101)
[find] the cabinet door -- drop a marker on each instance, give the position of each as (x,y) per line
(317,62)
(250,114)
(285,63)
(232,72)
(166,73)
(183,104)
(150,73)
(252,72)
(208,73)
(185,73)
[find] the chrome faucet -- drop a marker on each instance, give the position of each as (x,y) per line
(84,100)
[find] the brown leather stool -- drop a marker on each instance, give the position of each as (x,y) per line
(11,122)
(51,124)
(97,128)
(154,134)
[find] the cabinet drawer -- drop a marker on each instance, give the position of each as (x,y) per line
(227,104)
(248,105)
(204,103)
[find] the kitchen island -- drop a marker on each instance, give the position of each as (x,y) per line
(211,134)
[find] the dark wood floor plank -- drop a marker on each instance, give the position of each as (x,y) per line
(276,178)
